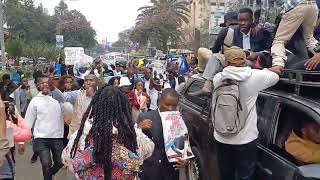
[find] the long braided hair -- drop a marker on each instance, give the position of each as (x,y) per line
(109,107)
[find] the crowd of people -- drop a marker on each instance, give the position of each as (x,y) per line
(113,130)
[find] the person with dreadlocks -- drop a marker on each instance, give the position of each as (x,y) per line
(107,145)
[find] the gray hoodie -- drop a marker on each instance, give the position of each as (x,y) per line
(252,81)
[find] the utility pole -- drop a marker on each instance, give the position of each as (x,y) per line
(3,51)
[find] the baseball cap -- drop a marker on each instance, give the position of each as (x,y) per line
(235,55)
(230,15)
(124,81)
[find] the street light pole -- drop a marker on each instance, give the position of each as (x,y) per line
(3,51)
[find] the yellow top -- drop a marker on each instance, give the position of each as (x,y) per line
(303,150)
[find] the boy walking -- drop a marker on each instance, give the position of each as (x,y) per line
(44,115)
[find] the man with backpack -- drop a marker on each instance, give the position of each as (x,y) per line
(246,36)
(234,114)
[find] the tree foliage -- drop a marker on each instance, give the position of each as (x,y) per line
(34,50)
(14,49)
(37,49)
(125,42)
(75,27)
(51,53)
(160,23)
(26,21)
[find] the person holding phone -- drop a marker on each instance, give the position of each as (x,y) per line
(17,131)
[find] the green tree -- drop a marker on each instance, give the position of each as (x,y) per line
(14,48)
(29,22)
(75,27)
(51,53)
(160,22)
(61,10)
(165,11)
(124,40)
(34,50)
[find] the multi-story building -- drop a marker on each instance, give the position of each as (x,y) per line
(207,15)
(199,13)
(198,22)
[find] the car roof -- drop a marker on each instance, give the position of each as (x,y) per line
(311,102)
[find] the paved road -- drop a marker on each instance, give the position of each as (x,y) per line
(28,171)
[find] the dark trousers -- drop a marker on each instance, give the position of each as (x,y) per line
(237,161)
(44,147)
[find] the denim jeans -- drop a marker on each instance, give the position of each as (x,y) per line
(237,161)
(44,147)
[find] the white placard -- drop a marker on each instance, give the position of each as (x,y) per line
(73,54)
(176,137)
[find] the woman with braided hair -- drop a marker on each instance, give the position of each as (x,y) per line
(107,146)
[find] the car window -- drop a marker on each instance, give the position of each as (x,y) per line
(198,100)
(267,111)
(291,120)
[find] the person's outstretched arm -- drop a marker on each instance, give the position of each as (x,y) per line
(66,96)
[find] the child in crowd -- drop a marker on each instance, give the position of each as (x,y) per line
(141,95)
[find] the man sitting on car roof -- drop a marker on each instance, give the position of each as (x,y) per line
(304,143)
(252,40)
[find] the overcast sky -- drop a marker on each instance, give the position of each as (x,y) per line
(108,17)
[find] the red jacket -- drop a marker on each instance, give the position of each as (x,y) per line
(21,131)
(133,100)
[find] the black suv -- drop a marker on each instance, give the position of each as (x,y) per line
(280,109)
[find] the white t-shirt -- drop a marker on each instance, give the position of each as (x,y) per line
(154,95)
(147,85)
(46,113)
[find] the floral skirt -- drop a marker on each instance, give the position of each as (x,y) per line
(97,173)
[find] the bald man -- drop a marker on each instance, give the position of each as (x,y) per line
(80,99)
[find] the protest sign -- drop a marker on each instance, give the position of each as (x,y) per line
(73,54)
(176,138)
